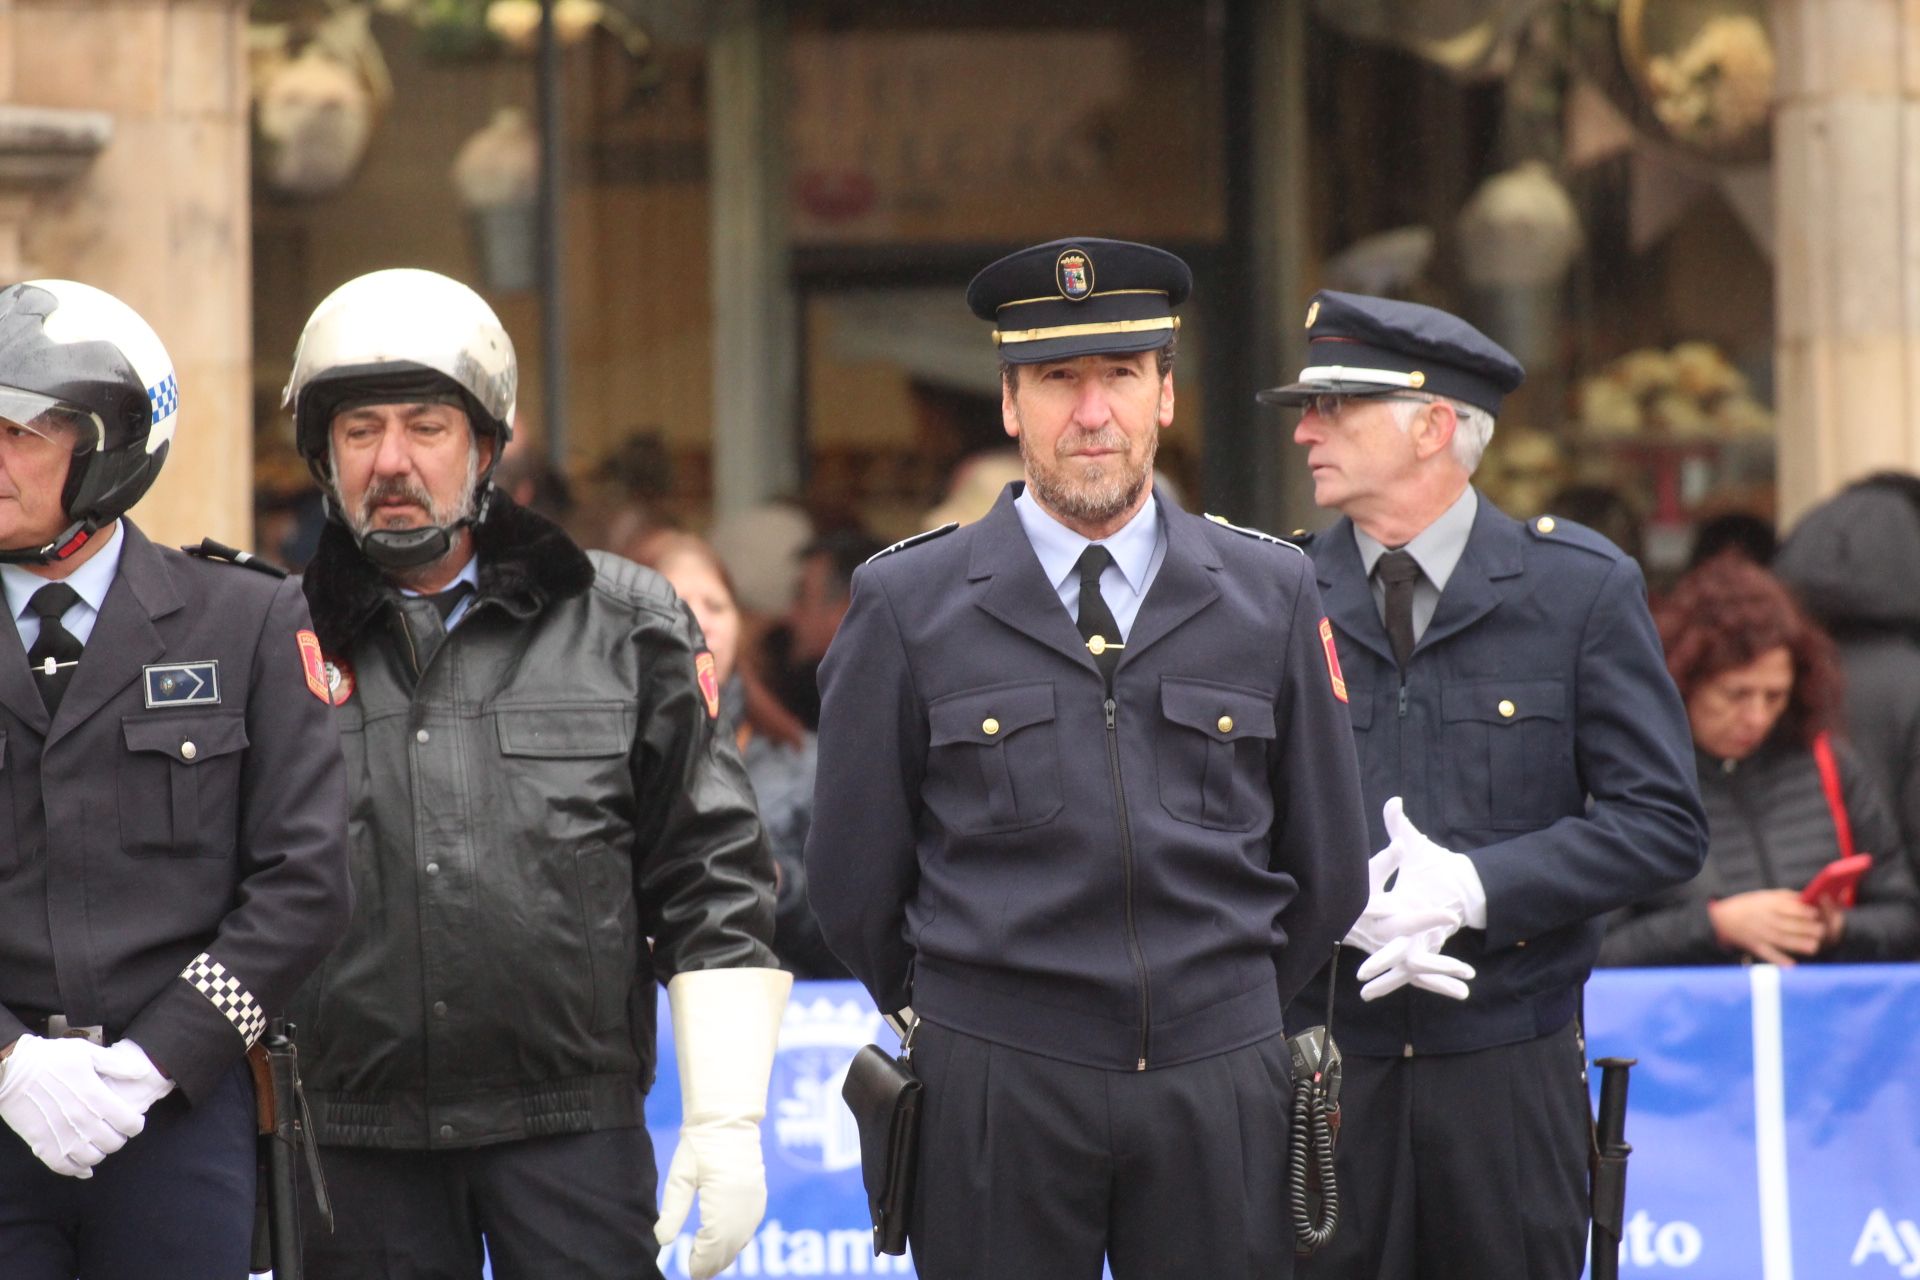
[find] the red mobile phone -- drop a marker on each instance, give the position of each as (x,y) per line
(1838,880)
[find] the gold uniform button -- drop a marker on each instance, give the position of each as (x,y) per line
(1506,708)
(1226,724)
(989,726)
(188,751)
(1544,524)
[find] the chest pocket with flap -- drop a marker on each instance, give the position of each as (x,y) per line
(1212,755)
(993,758)
(1503,747)
(179,784)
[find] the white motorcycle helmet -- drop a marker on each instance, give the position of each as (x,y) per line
(80,366)
(398,336)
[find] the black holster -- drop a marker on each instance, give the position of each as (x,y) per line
(883,1094)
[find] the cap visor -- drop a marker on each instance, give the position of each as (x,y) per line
(1298,393)
(1042,350)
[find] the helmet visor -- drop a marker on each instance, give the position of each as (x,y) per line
(26,414)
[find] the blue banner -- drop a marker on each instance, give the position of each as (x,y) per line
(1774,1117)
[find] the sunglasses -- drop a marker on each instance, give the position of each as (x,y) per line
(1330,405)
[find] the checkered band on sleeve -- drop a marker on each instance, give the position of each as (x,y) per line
(211,979)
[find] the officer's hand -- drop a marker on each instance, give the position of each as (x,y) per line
(1415,960)
(1388,915)
(52,1096)
(1771,925)
(131,1074)
(1434,878)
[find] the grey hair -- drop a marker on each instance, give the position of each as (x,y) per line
(1471,432)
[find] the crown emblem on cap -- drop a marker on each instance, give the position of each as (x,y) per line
(1073,272)
(1313,312)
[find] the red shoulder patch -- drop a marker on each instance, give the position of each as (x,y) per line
(1333,660)
(331,682)
(313,664)
(709,682)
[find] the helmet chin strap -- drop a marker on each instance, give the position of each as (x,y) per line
(74,537)
(397,550)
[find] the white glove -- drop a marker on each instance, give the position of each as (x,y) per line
(53,1097)
(726,1023)
(1414,959)
(129,1072)
(1388,915)
(1432,879)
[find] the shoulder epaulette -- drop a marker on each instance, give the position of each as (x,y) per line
(1242,530)
(916,540)
(211,550)
(1568,533)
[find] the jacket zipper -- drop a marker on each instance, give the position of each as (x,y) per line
(1126,871)
(1406,1050)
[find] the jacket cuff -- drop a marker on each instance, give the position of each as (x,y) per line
(195,1029)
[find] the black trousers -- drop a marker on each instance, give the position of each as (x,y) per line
(1034,1169)
(578,1207)
(177,1200)
(1462,1166)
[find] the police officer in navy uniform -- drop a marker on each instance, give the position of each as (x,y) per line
(1527,767)
(172,821)
(1087,803)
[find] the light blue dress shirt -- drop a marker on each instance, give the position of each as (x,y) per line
(91,580)
(1138,549)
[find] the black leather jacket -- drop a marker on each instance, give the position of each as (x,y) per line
(546,794)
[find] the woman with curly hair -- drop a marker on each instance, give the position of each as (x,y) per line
(1762,688)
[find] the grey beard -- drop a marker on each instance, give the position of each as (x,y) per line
(361,521)
(1093,501)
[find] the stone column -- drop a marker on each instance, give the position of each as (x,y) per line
(160,218)
(1846,185)
(756,451)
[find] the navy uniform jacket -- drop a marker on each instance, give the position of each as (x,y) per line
(171,872)
(1127,885)
(1537,731)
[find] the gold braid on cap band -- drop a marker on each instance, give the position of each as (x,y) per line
(1003,336)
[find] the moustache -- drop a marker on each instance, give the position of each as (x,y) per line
(391,490)
(1110,441)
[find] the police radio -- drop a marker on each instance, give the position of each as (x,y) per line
(1312,1196)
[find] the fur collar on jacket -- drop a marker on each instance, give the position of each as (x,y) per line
(526,563)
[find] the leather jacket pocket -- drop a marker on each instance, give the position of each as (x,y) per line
(1212,754)
(993,758)
(1502,746)
(610,924)
(179,784)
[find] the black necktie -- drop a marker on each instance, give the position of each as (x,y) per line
(1097,626)
(56,650)
(445,602)
(1398,571)
(425,620)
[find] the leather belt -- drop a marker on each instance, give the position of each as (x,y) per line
(56,1027)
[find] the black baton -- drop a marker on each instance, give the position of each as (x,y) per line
(1608,1167)
(291,1137)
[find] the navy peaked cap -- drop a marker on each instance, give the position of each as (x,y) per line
(1362,346)
(1081,297)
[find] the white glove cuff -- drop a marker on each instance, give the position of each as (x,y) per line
(726,1024)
